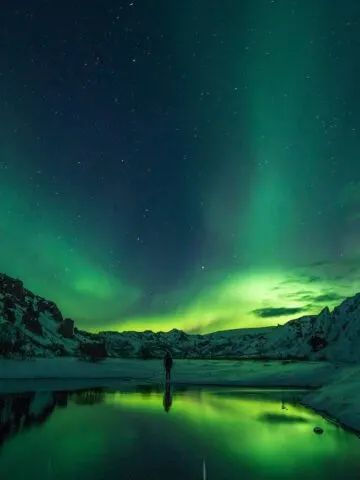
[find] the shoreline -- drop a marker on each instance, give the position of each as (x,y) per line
(333,389)
(335,421)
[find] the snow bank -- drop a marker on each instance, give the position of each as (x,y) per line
(17,375)
(224,372)
(339,399)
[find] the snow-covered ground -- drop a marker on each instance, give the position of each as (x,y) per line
(339,399)
(337,386)
(200,372)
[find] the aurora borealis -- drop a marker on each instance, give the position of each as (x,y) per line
(191,166)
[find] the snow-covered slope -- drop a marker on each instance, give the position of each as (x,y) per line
(31,325)
(333,336)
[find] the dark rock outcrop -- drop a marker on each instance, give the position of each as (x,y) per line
(12,287)
(32,323)
(50,308)
(9,310)
(93,351)
(66,328)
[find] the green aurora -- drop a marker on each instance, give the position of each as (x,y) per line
(288,232)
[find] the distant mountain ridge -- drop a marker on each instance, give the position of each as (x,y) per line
(33,326)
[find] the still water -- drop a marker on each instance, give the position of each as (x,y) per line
(188,434)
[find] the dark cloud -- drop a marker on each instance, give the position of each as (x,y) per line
(304,298)
(301,277)
(308,296)
(307,276)
(287,281)
(328,297)
(314,279)
(321,263)
(338,272)
(277,312)
(301,295)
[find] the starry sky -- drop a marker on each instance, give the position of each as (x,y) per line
(190,164)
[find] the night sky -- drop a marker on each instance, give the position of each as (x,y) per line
(191,164)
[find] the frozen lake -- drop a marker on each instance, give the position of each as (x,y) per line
(186,433)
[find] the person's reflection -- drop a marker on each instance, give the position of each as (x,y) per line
(167,400)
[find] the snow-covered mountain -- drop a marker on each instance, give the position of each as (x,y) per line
(333,336)
(31,325)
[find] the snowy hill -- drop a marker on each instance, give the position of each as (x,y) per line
(33,326)
(333,336)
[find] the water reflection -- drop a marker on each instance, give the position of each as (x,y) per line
(220,433)
(167,401)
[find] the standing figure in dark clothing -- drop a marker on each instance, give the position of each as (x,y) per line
(168,363)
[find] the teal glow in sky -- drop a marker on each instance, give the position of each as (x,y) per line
(192,167)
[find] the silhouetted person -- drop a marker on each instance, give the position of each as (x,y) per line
(167,401)
(168,363)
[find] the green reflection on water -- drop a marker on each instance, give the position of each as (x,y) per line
(98,435)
